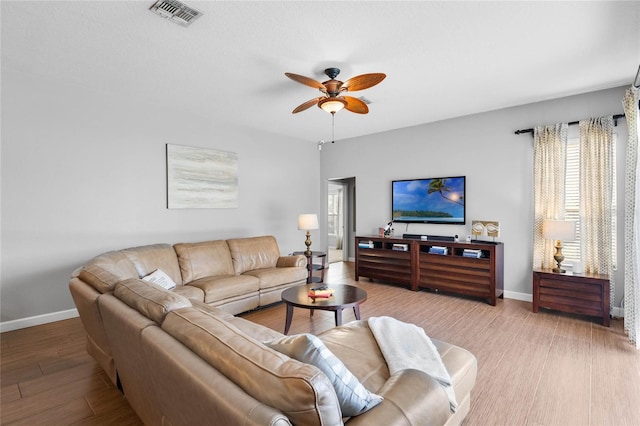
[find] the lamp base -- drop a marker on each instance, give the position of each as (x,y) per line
(559,257)
(307,243)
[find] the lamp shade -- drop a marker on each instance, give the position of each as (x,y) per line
(332,105)
(308,221)
(564,230)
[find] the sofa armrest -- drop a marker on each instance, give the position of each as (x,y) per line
(288,261)
(411,397)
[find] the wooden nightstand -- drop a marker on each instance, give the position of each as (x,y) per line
(584,294)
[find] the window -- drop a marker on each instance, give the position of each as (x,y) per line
(571,249)
(333,213)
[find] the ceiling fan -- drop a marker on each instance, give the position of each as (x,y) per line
(332,99)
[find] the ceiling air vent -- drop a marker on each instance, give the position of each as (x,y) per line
(176,11)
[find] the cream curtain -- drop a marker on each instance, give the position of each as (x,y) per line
(549,158)
(596,204)
(632,219)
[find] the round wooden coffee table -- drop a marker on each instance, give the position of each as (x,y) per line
(345,296)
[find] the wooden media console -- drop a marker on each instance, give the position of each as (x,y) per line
(472,269)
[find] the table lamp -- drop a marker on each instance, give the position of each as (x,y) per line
(559,230)
(307,222)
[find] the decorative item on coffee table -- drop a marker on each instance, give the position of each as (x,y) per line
(322,292)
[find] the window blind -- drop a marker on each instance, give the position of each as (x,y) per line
(572,249)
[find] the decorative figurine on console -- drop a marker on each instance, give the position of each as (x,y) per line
(388,230)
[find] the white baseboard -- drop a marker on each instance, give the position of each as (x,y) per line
(525,297)
(617,312)
(37,320)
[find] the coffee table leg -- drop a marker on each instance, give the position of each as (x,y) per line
(356,311)
(338,317)
(287,322)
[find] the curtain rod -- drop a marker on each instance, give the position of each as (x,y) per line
(615,120)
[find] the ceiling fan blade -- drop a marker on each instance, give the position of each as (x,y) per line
(356,105)
(307,105)
(363,81)
(305,80)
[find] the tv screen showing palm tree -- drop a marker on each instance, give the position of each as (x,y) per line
(434,200)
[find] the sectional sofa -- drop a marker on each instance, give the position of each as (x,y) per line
(236,275)
(181,357)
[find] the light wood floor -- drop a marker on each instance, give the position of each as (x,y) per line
(533,369)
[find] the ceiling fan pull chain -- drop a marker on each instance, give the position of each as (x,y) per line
(333,127)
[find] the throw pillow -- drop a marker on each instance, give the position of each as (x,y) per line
(160,278)
(354,398)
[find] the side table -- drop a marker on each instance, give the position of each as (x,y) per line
(312,266)
(585,294)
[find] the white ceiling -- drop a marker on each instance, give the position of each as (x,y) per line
(442,59)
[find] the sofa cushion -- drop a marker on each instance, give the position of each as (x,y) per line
(298,261)
(411,397)
(354,398)
(364,360)
(222,287)
(299,390)
(105,271)
(253,253)
(367,363)
(151,300)
(190,292)
(274,277)
(251,329)
(212,310)
(147,259)
(462,366)
(205,259)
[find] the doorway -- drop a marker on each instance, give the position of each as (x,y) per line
(340,218)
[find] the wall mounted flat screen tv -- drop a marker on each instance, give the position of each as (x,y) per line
(434,200)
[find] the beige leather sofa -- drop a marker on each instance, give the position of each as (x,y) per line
(236,275)
(183,362)
(181,357)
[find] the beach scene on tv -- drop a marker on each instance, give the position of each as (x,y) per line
(439,200)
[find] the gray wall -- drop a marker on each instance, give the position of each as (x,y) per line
(498,165)
(84,173)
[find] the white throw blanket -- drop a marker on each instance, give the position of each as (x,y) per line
(406,346)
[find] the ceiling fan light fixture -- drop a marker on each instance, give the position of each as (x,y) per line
(332,99)
(332,105)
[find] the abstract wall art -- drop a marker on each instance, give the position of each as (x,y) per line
(201,178)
